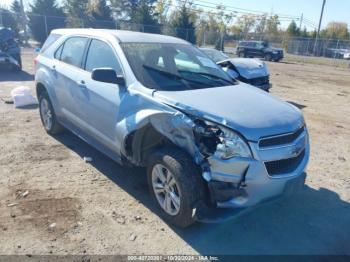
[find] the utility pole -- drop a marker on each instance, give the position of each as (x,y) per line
(24,22)
(319,26)
(301,20)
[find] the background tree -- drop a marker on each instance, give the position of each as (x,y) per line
(224,18)
(336,30)
(261,25)
(145,16)
(77,13)
(139,14)
(183,23)
(41,27)
(272,24)
(99,15)
(304,33)
(293,29)
(16,10)
(246,23)
(161,10)
(8,20)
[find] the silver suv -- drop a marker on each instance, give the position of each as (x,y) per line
(156,101)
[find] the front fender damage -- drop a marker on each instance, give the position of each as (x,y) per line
(225,178)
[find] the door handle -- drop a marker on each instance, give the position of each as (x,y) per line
(82,84)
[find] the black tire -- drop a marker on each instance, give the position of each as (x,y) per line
(268,57)
(188,178)
(241,54)
(19,67)
(55,127)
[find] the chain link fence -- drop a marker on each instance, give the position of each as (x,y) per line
(327,51)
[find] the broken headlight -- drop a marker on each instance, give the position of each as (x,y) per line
(232,145)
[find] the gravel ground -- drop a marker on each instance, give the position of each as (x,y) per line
(62,205)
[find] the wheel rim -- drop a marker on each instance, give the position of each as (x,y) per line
(166,189)
(46,114)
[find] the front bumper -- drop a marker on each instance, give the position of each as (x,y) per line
(278,56)
(245,182)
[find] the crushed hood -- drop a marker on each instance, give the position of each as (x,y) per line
(246,109)
(250,68)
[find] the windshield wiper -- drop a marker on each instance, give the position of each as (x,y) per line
(172,75)
(210,75)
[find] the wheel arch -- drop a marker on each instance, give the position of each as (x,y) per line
(40,88)
(155,130)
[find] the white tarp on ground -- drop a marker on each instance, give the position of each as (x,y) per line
(22,96)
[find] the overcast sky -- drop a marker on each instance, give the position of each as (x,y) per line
(338,10)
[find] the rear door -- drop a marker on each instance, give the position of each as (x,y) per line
(99,101)
(67,68)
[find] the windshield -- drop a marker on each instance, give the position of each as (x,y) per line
(173,67)
(215,55)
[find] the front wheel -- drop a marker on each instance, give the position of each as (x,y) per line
(268,57)
(241,54)
(175,183)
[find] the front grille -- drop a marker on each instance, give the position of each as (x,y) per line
(280,140)
(285,166)
(259,81)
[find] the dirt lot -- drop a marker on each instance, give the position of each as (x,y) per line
(73,207)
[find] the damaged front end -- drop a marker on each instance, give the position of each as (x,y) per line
(237,172)
(225,160)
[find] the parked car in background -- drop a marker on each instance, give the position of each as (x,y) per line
(208,142)
(10,52)
(260,49)
(347,55)
(251,71)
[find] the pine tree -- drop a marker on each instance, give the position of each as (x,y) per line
(145,16)
(100,15)
(44,16)
(292,29)
(77,13)
(183,24)
(16,10)
(15,7)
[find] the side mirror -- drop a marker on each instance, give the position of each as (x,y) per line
(107,75)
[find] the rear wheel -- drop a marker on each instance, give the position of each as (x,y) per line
(175,183)
(47,115)
(19,67)
(268,57)
(241,54)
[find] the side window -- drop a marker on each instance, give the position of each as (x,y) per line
(58,52)
(101,55)
(73,51)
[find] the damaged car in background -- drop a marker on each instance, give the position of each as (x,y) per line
(10,52)
(209,143)
(248,70)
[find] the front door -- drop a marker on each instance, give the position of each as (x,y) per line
(99,101)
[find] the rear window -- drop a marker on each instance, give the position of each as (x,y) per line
(49,41)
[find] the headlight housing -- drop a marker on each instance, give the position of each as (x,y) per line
(232,145)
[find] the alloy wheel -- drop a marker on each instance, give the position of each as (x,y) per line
(46,113)
(166,189)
